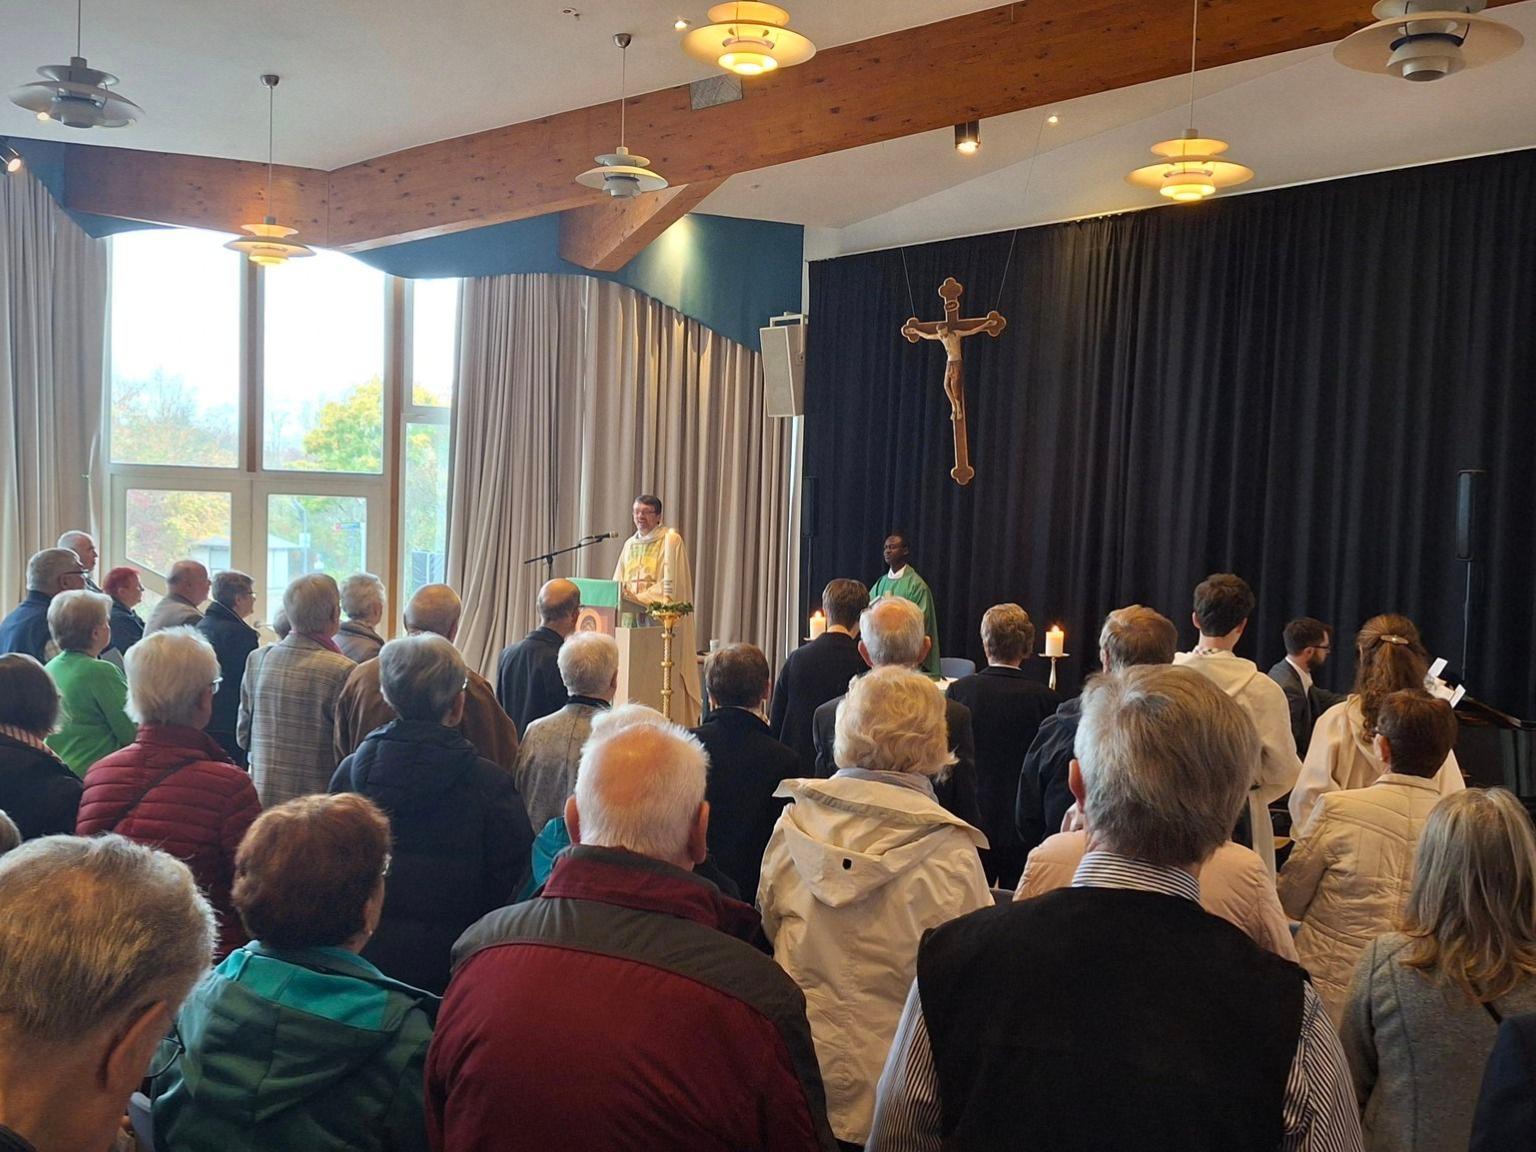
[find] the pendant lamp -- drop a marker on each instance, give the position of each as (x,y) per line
(621,173)
(75,94)
(268,243)
(748,39)
(1427,39)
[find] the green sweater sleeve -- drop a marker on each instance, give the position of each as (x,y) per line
(110,689)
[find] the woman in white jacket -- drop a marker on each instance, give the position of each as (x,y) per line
(857,869)
(1389,657)
(1348,877)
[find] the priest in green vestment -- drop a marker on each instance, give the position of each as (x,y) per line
(901,579)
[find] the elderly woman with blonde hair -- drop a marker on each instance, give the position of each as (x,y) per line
(1426,1003)
(857,869)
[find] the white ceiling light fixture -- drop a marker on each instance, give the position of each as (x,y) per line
(748,39)
(622,174)
(1427,40)
(1190,169)
(9,157)
(268,243)
(75,94)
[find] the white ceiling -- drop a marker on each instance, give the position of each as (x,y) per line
(361,78)
(1293,118)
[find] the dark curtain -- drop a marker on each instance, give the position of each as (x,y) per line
(1282,385)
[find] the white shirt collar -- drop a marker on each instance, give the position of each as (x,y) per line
(1306,677)
(898,573)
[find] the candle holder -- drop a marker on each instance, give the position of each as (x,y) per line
(669,613)
(1053,659)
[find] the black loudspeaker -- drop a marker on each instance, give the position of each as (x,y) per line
(808,507)
(1469,511)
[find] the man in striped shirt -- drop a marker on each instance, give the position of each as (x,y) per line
(1117,1013)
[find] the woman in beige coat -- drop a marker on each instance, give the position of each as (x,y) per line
(1348,876)
(857,869)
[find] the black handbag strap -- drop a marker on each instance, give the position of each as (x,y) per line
(147,789)
(1498,1017)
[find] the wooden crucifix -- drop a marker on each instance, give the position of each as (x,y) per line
(949,332)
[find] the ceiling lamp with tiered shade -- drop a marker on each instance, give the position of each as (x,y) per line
(75,94)
(622,174)
(268,242)
(1191,167)
(1427,39)
(748,39)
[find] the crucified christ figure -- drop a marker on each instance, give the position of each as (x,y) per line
(949,332)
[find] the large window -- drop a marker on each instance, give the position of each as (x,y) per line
(267,420)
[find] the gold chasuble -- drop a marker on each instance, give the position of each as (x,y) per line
(653,567)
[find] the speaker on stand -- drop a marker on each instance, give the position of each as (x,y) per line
(1470,513)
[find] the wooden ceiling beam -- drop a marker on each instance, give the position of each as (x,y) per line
(1029,54)
(605,237)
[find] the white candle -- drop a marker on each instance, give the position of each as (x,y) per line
(818,623)
(1055,641)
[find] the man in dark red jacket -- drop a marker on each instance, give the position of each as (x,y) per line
(623,1008)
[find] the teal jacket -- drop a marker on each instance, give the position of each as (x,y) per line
(310,1049)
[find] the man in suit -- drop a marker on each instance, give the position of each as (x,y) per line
(528,680)
(745,763)
(1131,635)
(891,632)
(186,588)
(819,671)
(1307,644)
(1006,710)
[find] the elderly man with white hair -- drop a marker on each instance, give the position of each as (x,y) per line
(25,628)
(461,836)
(186,588)
(175,788)
(81,1023)
(1117,1013)
(891,634)
(288,699)
(83,545)
(627,971)
(362,599)
(435,610)
(551,748)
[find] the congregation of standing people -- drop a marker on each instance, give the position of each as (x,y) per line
(344,892)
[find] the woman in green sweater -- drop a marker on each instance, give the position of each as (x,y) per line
(92,692)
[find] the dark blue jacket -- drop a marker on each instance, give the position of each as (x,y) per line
(462,842)
(1506,1108)
(26,628)
(528,683)
(233,641)
(127,627)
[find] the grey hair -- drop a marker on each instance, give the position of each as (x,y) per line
(361,594)
(421,676)
(75,536)
(91,930)
(45,568)
(74,616)
(229,585)
(311,603)
(1007,633)
(588,663)
(892,631)
(1167,761)
(167,674)
(893,720)
(640,783)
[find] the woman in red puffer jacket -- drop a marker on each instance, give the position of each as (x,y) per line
(174,788)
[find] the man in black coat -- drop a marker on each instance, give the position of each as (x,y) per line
(1007,707)
(1131,635)
(528,683)
(819,671)
(233,640)
(1307,644)
(746,764)
(893,633)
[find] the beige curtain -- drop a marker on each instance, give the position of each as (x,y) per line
(574,396)
(53,310)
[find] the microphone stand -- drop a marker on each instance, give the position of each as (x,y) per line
(584,542)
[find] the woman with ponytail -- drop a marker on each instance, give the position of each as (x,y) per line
(1389,657)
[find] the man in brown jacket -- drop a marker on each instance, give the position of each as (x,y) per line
(435,608)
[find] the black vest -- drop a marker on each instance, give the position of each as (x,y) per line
(1100,1019)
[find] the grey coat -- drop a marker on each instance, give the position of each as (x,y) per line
(548,756)
(1416,1051)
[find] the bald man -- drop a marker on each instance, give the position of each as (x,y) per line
(435,608)
(528,680)
(186,589)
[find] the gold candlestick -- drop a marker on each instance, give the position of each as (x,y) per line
(1053,659)
(668,624)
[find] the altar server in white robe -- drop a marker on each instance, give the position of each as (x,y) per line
(653,568)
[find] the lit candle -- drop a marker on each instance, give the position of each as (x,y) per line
(1055,641)
(818,623)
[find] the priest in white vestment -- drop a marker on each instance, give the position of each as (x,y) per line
(653,567)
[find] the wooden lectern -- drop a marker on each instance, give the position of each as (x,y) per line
(605,608)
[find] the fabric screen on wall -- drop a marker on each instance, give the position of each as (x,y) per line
(575,395)
(53,308)
(1282,384)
